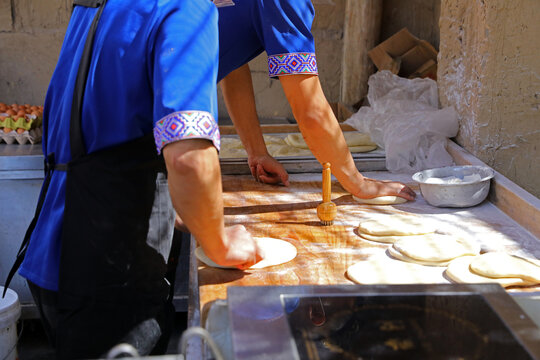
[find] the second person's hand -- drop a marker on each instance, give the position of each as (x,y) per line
(268,170)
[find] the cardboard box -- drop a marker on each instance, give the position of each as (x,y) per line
(405,55)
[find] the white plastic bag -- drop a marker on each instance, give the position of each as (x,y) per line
(404,119)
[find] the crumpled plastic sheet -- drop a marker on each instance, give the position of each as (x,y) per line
(404,118)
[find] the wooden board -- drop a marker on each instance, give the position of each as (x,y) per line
(325,252)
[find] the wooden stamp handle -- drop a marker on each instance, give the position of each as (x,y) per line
(327,183)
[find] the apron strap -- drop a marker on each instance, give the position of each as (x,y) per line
(77,146)
(49,166)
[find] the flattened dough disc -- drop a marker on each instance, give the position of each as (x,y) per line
(275,251)
(388,239)
(381,200)
(458,270)
(397,255)
(503,265)
(352,138)
(382,269)
(396,225)
(435,247)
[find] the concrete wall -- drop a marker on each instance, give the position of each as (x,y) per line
(328,33)
(31,34)
(489,70)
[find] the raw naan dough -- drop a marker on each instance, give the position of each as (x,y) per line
(275,252)
(362,148)
(503,265)
(396,225)
(397,255)
(385,270)
(287,150)
(352,138)
(458,270)
(389,239)
(381,200)
(435,247)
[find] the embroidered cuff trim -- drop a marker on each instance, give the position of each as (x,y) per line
(291,64)
(186,125)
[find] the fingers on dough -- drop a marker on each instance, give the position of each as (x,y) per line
(276,252)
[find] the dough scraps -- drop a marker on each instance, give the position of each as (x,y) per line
(503,265)
(382,269)
(381,200)
(275,252)
(396,224)
(435,247)
(352,138)
(458,270)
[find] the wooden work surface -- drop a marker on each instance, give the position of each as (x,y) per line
(325,252)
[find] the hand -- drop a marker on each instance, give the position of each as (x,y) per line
(268,170)
(372,188)
(242,249)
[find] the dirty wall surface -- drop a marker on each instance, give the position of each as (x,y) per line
(489,70)
(31,35)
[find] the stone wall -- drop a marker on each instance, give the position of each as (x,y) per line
(489,70)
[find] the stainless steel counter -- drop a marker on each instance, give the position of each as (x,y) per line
(21,176)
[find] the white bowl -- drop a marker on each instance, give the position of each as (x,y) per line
(455,186)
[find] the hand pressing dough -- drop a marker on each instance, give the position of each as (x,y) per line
(352,138)
(435,247)
(275,252)
(396,224)
(381,200)
(503,265)
(459,271)
(385,270)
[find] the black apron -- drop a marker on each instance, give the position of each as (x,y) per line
(110,278)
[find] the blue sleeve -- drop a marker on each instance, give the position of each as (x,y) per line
(286,32)
(184,75)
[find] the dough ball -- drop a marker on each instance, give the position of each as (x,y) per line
(276,252)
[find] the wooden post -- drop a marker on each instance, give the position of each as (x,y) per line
(361,33)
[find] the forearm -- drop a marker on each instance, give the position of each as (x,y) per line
(321,129)
(195,187)
(239,98)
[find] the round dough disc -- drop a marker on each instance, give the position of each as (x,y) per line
(352,138)
(435,247)
(362,148)
(381,200)
(396,225)
(388,239)
(385,270)
(503,265)
(458,270)
(397,255)
(275,252)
